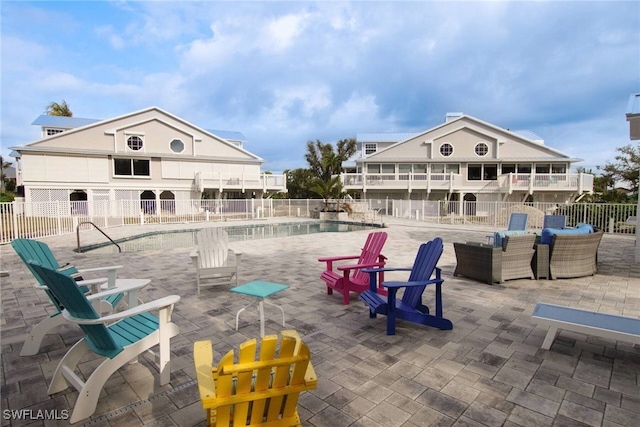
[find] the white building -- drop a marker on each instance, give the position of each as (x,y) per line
(148,155)
(463,159)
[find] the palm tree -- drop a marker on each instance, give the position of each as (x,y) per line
(330,189)
(5,165)
(55,109)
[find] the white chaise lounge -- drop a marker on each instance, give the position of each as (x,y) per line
(585,322)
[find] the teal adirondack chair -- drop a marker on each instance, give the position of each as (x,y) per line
(118,338)
(410,307)
(28,249)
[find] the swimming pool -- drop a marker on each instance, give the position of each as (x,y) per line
(187,238)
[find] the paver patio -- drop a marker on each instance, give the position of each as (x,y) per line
(489,370)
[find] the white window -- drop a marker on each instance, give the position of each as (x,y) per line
(453,168)
(420,168)
(437,168)
(446,149)
(53,131)
(445,168)
(177,146)
(373,168)
(135,143)
(404,167)
(370,148)
(482,149)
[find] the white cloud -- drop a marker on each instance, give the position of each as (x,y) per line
(282,32)
(287,72)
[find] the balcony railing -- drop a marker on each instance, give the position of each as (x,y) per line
(241,181)
(506,183)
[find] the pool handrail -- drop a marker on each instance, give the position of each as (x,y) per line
(79,250)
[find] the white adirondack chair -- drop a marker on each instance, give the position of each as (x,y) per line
(213,259)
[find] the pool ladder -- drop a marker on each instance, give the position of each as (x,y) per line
(97,228)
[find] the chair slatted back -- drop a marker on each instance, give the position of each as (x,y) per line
(554,221)
(258,390)
(423,267)
(370,254)
(518,221)
(213,247)
(28,249)
(75,302)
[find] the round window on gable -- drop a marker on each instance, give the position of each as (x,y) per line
(482,149)
(177,146)
(135,143)
(446,149)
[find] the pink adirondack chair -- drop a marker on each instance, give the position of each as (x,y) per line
(349,277)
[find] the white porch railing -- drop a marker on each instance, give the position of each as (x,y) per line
(454,182)
(241,181)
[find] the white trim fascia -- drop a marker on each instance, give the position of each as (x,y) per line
(143,111)
(90,153)
(472,160)
(478,121)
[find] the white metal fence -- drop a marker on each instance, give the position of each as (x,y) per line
(41,219)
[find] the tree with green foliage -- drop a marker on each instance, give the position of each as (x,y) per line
(325,162)
(62,109)
(298,183)
(3,177)
(603,190)
(625,169)
(330,189)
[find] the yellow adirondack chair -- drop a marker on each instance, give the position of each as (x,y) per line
(255,391)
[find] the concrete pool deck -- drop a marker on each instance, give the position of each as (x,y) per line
(489,370)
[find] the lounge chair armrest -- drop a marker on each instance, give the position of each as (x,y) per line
(381,269)
(94,269)
(357,266)
(117,290)
(112,272)
(92,282)
(139,309)
(411,284)
(338,258)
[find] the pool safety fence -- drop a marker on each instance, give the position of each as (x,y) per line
(20,219)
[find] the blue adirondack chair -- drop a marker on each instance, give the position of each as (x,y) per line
(410,307)
(28,249)
(118,338)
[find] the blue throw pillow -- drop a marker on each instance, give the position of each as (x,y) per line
(498,236)
(547,234)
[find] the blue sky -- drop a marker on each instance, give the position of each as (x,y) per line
(284,73)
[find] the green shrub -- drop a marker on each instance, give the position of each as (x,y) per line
(6,197)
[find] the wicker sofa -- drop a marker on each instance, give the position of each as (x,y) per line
(495,265)
(573,255)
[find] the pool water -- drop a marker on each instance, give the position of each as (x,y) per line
(187,238)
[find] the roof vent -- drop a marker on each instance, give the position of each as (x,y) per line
(452,116)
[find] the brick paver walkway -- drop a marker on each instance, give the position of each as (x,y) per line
(489,370)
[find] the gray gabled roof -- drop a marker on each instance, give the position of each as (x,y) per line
(633,107)
(529,135)
(384,136)
(62,122)
(230,135)
(77,122)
